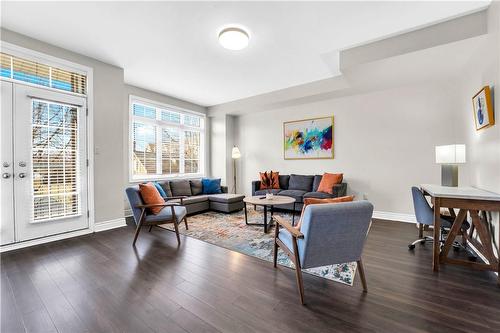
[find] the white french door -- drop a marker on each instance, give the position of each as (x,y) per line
(47,173)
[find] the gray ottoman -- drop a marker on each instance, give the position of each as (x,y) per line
(226,202)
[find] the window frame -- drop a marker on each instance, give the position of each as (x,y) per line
(161,124)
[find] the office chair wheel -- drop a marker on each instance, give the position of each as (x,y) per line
(411,246)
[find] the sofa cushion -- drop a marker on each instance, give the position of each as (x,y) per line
(180,187)
(166,214)
(328,180)
(296,194)
(301,182)
(160,189)
(195,199)
(264,192)
(211,185)
(283,181)
(317,180)
(226,197)
(318,195)
(196,186)
(151,196)
(165,185)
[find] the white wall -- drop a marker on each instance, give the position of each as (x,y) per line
(483,147)
(383,141)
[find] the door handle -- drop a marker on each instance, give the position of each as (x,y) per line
(21,175)
(5,175)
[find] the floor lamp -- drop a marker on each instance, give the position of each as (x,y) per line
(235,154)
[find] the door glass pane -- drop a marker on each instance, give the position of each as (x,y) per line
(56,169)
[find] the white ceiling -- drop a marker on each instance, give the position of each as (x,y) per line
(172,48)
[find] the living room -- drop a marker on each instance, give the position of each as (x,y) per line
(167,166)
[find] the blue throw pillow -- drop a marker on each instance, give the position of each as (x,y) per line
(160,189)
(211,186)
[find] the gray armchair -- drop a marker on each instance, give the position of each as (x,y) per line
(330,234)
(171,212)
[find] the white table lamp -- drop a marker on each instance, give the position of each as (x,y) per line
(449,157)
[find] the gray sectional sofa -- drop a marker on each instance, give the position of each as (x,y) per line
(196,201)
(300,187)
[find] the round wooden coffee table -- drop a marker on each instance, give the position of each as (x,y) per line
(261,200)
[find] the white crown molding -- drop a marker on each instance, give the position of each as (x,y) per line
(400,217)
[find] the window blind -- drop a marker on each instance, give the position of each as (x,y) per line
(32,72)
(55,161)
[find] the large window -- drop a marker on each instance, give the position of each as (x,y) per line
(165,141)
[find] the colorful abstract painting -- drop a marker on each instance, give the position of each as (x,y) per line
(308,139)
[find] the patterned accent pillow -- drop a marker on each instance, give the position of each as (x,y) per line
(269,180)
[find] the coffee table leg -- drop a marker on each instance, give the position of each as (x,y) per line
(246,214)
(293,214)
(265,219)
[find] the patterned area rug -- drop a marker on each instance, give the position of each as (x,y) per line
(231,232)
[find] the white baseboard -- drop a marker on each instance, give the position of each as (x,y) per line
(111,224)
(102,226)
(38,241)
(409,218)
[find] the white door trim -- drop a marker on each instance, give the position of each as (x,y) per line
(29,54)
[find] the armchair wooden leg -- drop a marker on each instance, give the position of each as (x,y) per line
(137,230)
(362,275)
(176,227)
(186,222)
(298,271)
(275,246)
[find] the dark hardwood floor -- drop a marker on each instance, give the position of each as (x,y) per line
(100,283)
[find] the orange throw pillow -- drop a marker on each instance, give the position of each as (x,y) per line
(269,180)
(151,196)
(316,201)
(328,180)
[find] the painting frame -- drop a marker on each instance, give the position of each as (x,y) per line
(479,116)
(331,155)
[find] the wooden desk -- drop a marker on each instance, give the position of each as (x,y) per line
(467,200)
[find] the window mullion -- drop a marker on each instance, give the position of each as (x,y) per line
(181,148)
(159,170)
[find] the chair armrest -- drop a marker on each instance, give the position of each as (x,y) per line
(166,204)
(255,186)
(285,224)
(339,190)
(181,197)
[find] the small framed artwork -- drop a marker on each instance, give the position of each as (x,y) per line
(308,139)
(483,109)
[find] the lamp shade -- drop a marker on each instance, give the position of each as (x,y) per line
(450,154)
(235,153)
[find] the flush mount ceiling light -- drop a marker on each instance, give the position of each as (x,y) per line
(233,38)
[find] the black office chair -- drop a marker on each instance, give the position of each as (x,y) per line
(425,216)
